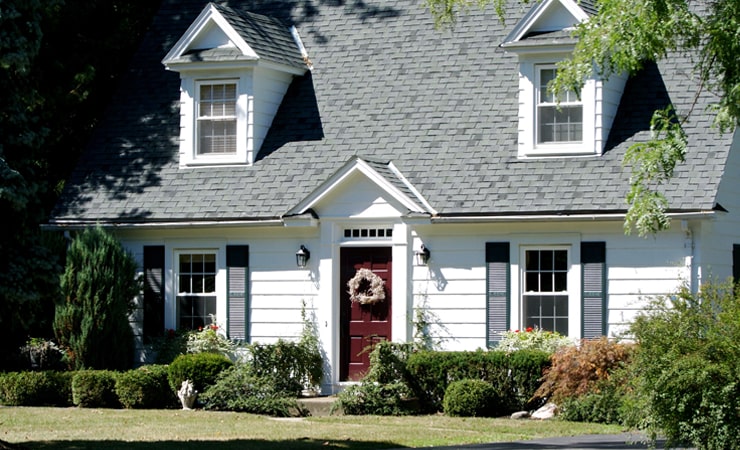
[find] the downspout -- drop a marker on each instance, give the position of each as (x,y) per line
(688,245)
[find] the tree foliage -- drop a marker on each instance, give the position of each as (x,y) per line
(622,37)
(99,285)
(59,60)
(687,366)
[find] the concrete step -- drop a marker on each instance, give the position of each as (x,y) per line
(319,406)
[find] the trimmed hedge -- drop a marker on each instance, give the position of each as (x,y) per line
(145,388)
(472,398)
(515,376)
(200,368)
(94,389)
(47,388)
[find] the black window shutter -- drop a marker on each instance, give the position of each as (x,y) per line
(736,262)
(153,291)
(237,263)
(498,291)
(593,273)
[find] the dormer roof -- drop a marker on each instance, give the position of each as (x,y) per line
(549,22)
(224,34)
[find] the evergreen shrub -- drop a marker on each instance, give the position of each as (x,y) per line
(145,388)
(48,388)
(200,368)
(473,398)
(99,284)
(515,376)
(94,389)
(240,389)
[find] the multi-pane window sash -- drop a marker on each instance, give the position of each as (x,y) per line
(545,294)
(196,297)
(217,119)
(558,119)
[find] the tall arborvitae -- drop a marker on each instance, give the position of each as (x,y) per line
(98,287)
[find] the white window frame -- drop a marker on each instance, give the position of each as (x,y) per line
(567,100)
(528,146)
(177,293)
(523,283)
(201,119)
(189,136)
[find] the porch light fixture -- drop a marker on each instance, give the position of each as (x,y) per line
(302,256)
(422,256)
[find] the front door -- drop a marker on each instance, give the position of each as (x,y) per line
(362,325)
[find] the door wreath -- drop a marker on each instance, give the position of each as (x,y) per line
(366,288)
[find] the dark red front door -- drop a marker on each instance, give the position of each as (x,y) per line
(362,325)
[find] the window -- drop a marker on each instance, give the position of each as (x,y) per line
(558,119)
(216,118)
(545,292)
(196,289)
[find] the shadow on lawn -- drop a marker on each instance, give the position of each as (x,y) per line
(240,444)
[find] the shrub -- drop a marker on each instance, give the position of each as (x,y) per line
(200,368)
(94,389)
(385,390)
(515,375)
(607,401)
(576,369)
(472,398)
(145,387)
(169,346)
(533,338)
(42,354)
(98,285)
(290,365)
(239,389)
(210,340)
(36,388)
(687,364)
(375,398)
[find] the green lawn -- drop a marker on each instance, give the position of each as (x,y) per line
(113,429)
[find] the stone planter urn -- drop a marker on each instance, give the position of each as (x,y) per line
(187,394)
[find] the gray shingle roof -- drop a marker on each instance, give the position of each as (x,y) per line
(386,86)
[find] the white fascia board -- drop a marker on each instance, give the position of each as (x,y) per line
(353,166)
(208,14)
(523,27)
(413,189)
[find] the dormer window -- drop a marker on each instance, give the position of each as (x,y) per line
(575,124)
(235,68)
(217,121)
(559,120)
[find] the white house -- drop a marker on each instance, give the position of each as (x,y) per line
(357,134)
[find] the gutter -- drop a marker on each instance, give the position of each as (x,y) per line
(67,225)
(561,217)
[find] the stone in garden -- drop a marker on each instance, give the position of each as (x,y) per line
(520,415)
(548,411)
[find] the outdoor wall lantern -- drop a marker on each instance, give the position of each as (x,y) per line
(302,256)
(422,256)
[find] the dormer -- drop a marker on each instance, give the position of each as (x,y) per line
(235,67)
(576,124)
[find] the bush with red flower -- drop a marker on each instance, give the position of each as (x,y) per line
(210,339)
(532,338)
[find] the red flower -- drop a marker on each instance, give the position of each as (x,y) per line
(214,327)
(529,329)
(516,331)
